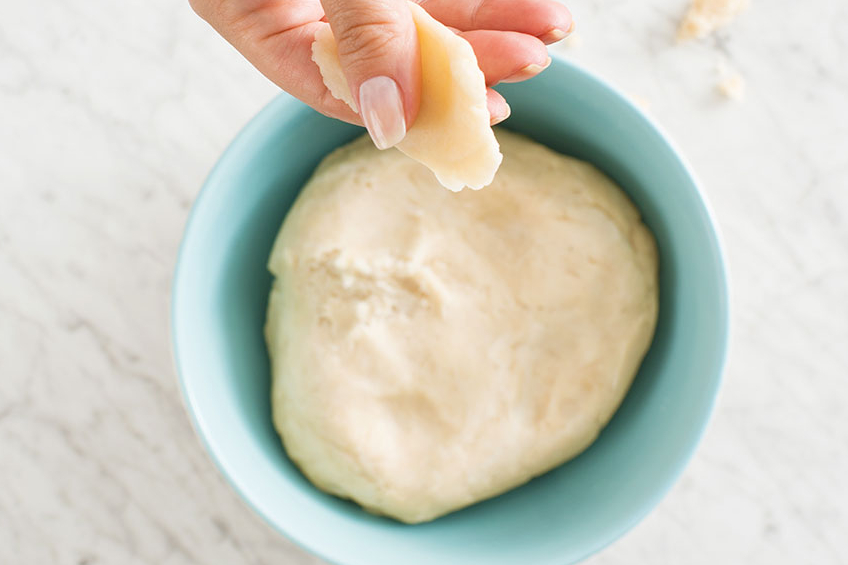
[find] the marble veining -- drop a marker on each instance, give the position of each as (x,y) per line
(112,113)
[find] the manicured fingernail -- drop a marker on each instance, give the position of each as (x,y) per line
(528,72)
(501,117)
(557,34)
(381,108)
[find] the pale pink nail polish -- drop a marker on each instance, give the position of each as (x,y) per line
(528,72)
(494,120)
(381,108)
(557,34)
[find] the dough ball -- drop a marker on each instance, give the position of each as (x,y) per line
(433,349)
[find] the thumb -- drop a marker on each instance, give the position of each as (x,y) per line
(378,51)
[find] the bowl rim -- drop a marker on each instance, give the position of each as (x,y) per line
(245,136)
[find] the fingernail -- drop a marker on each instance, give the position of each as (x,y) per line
(498,119)
(381,108)
(557,34)
(528,72)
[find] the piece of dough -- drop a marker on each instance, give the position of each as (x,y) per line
(433,349)
(706,16)
(731,83)
(451,134)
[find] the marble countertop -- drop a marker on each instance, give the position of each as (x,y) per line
(112,113)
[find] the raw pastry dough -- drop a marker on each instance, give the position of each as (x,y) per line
(451,134)
(433,349)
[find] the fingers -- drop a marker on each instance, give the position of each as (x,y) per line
(507,56)
(277,39)
(286,59)
(548,20)
(498,108)
(277,36)
(378,50)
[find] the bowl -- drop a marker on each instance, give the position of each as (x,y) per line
(220,294)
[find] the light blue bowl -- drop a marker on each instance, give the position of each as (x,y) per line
(219,297)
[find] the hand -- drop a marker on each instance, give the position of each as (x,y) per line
(377,39)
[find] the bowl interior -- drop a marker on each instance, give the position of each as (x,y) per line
(220,296)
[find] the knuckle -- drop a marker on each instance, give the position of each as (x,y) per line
(367,40)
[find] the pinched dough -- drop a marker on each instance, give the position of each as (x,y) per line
(451,134)
(433,349)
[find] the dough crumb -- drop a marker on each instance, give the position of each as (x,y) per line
(731,83)
(706,16)
(733,87)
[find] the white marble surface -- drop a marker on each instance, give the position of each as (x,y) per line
(111,114)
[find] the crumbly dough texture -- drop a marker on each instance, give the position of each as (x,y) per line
(451,134)
(706,16)
(432,349)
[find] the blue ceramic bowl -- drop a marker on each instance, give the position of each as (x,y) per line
(219,298)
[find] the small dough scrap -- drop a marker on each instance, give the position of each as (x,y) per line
(706,16)
(430,349)
(731,83)
(451,134)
